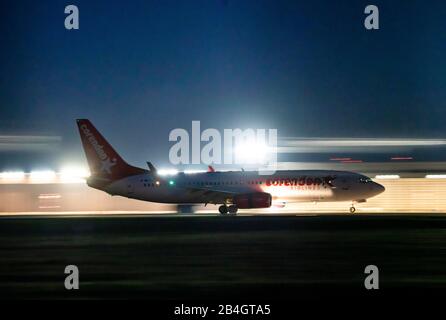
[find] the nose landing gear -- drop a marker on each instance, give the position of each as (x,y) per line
(352,208)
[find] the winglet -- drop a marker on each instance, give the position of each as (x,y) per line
(211,169)
(151,167)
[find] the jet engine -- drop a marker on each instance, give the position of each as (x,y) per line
(252,200)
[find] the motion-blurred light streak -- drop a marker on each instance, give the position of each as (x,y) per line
(401,158)
(387,176)
(194,171)
(28,142)
(404,169)
(435,176)
(333,145)
(167,172)
(351,142)
(340,159)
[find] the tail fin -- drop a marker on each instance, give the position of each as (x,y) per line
(103,160)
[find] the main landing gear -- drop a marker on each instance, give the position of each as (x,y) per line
(352,209)
(224,209)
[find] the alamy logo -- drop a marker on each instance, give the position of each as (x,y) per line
(372,280)
(72,278)
(72,20)
(249,147)
(106,163)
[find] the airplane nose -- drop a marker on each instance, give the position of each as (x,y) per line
(378,188)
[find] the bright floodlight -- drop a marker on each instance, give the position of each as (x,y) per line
(251,153)
(12,175)
(74,174)
(42,175)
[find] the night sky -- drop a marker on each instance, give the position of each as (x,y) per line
(138,69)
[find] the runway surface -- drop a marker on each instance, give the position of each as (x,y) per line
(209,257)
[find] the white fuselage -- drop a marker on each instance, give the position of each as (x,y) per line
(217,187)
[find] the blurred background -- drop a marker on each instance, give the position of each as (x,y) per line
(340,96)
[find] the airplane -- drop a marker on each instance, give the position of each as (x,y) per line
(232,190)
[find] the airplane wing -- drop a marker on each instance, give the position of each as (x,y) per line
(215,195)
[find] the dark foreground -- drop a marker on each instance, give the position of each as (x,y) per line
(212,257)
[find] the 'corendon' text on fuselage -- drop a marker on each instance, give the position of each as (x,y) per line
(300,181)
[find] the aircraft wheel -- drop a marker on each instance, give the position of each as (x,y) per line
(352,210)
(223,209)
(233,209)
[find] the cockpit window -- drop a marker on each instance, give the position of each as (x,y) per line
(365,180)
